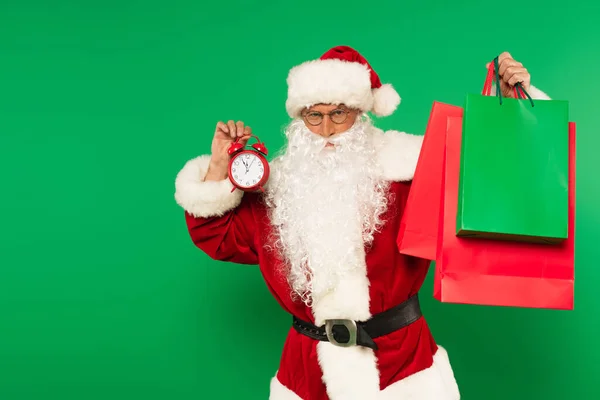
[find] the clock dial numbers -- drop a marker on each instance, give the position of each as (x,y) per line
(247,169)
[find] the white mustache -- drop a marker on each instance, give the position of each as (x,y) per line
(301,139)
(337,140)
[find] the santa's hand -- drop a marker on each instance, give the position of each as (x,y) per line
(511,72)
(225,135)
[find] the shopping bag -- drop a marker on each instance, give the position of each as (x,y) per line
(514,167)
(501,273)
(418,232)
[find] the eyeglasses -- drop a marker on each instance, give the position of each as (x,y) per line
(337,116)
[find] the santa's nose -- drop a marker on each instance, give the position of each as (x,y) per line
(327,128)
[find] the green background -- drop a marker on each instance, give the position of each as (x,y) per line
(102,294)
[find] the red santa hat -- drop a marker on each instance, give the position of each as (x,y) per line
(340,76)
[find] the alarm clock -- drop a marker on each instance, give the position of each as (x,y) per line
(248,167)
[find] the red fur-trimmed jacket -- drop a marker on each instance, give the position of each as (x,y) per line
(233,226)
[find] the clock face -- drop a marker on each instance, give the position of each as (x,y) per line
(247,169)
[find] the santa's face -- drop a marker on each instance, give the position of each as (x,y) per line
(326,119)
(325,204)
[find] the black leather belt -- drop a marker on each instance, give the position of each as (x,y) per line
(346,332)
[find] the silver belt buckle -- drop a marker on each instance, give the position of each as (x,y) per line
(349,324)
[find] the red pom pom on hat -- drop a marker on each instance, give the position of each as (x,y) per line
(340,75)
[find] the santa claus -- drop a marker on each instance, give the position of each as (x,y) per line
(324,236)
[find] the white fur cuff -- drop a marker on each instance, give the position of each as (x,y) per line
(534,92)
(204,198)
(537,94)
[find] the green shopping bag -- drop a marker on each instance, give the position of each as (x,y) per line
(514,167)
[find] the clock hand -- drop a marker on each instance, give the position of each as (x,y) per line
(245,165)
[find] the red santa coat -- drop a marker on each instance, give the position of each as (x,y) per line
(408,363)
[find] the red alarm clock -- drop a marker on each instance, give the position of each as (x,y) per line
(248,167)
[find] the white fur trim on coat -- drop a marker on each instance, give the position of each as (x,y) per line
(280,392)
(204,198)
(335,81)
(347,372)
(434,383)
(349,300)
(398,153)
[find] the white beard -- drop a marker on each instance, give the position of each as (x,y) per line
(325,205)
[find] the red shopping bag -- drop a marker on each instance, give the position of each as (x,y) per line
(501,273)
(418,234)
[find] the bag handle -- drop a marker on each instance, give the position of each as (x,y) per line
(520,90)
(493,71)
